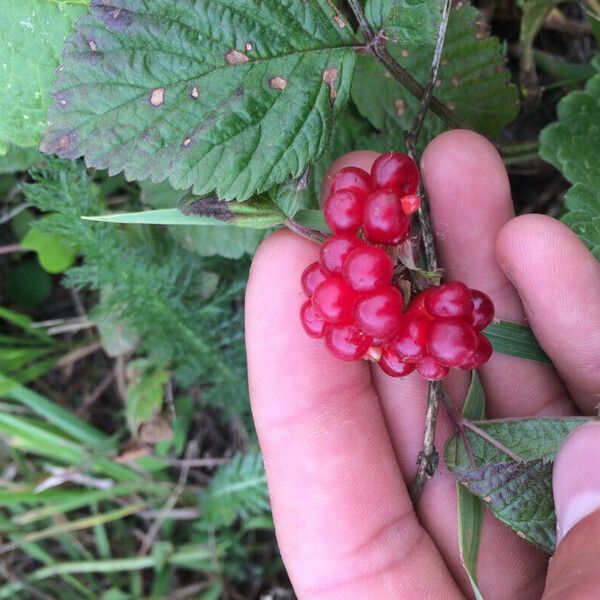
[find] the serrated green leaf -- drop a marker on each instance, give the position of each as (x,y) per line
(571,145)
(32,34)
(470,507)
(54,253)
(216,239)
(226,95)
(516,340)
(472,81)
(410,22)
(519,493)
(238,489)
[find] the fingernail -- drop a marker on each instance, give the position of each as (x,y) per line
(576,478)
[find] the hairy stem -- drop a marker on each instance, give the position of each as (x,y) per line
(363,24)
(428,456)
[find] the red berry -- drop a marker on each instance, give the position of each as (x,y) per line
(343,211)
(482,353)
(452,299)
(335,249)
(483,310)
(346,343)
(351,178)
(312,276)
(410,204)
(313,324)
(431,369)
(397,171)
(333,300)
(451,342)
(378,314)
(384,219)
(410,343)
(417,304)
(391,364)
(368,268)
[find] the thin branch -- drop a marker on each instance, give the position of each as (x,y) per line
(428,457)
(11,248)
(376,47)
(309,234)
(433,73)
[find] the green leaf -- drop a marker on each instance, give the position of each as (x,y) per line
(472,81)
(54,253)
(18,159)
(211,240)
(571,145)
(519,493)
(29,285)
(145,392)
(409,22)
(516,340)
(33,34)
(470,507)
(226,95)
(238,489)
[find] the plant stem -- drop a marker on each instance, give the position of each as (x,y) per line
(309,234)
(376,47)
(428,457)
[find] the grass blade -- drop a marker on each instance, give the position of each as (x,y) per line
(516,340)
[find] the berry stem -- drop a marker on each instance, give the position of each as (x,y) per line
(428,456)
(310,234)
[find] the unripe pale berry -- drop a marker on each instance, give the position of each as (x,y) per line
(368,268)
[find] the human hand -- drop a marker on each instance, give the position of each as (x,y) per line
(340,440)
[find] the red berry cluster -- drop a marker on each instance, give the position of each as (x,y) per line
(378,203)
(352,301)
(441,328)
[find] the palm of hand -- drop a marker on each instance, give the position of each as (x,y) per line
(340,440)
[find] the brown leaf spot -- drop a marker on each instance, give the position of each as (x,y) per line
(92,45)
(157,97)
(405,53)
(444,62)
(451,105)
(339,21)
(387,74)
(235,57)
(194,93)
(400,106)
(278,83)
(455,81)
(63,143)
(249,47)
(115,12)
(459,5)
(187,142)
(330,78)
(438,83)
